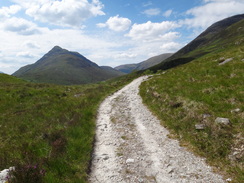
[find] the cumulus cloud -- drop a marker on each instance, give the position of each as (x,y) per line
(150,39)
(151,31)
(20,26)
(116,23)
(7,11)
(152,12)
(212,11)
(62,12)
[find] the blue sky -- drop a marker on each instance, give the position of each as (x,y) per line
(108,32)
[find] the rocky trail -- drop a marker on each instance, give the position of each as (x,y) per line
(132,146)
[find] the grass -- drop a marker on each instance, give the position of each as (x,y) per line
(198,93)
(49,128)
(47,131)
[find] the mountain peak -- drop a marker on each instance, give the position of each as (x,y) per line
(57,50)
(61,66)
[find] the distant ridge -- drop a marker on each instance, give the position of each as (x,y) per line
(210,40)
(128,68)
(60,66)
(112,70)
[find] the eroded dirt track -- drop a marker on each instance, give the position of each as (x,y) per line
(132,146)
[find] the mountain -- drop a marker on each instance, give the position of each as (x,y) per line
(152,61)
(218,36)
(128,68)
(1,72)
(60,66)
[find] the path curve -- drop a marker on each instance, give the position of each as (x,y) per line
(132,146)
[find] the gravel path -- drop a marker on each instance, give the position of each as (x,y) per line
(132,146)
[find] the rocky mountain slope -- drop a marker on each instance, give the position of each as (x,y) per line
(61,66)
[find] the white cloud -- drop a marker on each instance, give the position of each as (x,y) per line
(101,25)
(30,44)
(143,40)
(212,11)
(169,36)
(7,11)
(125,55)
(149,3)
(170,47)
(69,13)
(206,1)
(152,12)
(151,39)
(151,31)
(167,13)
(17,51)
(20,26)
(25,54)
(116,23)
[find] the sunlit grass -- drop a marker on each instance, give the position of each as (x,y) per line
(182,96)
(50,126)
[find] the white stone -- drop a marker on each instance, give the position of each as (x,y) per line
(224,121)
(130,161)
(229,180)
(226,61)
(236,110)
(199,126)
(4,174)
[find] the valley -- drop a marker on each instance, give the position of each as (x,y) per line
(66,119)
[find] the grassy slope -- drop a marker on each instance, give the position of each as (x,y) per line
(50,126)
(183,94)
(216,37)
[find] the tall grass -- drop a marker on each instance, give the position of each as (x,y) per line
(198,93)
(49,128)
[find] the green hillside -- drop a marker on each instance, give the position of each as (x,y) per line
(127,68)
(49,128)
(197,93)
(60,66)
(219,36)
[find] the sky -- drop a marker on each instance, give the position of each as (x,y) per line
(108,32)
